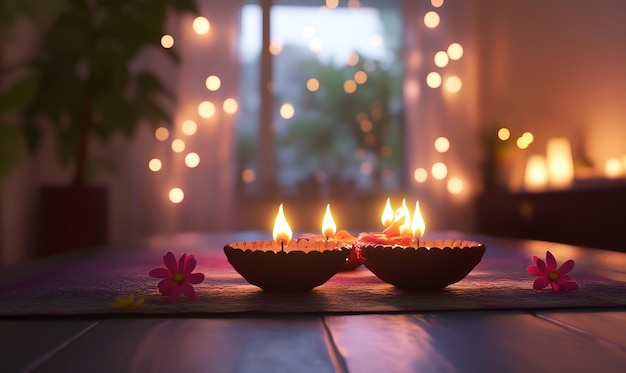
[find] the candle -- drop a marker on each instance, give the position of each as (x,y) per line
(282,231)
(418,226)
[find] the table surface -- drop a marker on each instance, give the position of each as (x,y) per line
(574,340)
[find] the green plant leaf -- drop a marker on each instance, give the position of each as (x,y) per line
(19,94)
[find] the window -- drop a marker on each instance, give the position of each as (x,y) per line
(335,123)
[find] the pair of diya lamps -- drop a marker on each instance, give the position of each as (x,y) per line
(395,256)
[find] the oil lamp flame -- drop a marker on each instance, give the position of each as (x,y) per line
(403,213)
(419,226)
(329,228)
(282,231)
(388,215)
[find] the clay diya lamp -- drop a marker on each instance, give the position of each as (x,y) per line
(343,237)
(409,263)
(284,265)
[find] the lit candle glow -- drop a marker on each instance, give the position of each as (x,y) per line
(418,226)
(282,231)
(388,215)
(329,228)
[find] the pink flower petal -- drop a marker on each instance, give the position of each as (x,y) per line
(541,265)
(540,283)
(170,262)
(181,264)
(195,278)
(188,290)
(533,270)
(535,258)
(550,261)
(555,286)
(166,286)
(174,294)
(160,273)
(190,265)
(566,267)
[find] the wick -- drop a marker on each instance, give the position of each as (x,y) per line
(282,245)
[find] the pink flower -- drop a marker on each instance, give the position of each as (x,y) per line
(177,277)
(548,274)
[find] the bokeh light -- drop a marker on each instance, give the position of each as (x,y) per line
(439,171)
(230,106)
(455,51)
(312,84)
(349,86)
(453,84)
(442,144)
(162,133)
(213,83)
(192,160)
(189,127)
(420,175)
(178,146)
(504,133)
(441,59)
(433,80)
(206,109)
(201,25)
(167,41)
(176,195)
(155,164)
(360,77)
(431,19)
(287,111)
(455,185)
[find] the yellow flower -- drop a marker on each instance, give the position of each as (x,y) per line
(127,303)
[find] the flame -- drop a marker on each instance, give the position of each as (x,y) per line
(403,213)
(329,228)
(419,226)
(282,231)
(387,217)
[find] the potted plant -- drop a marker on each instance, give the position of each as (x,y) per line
(87,91)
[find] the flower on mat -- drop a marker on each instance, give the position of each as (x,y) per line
(177,277)
(127,303)
(548,274)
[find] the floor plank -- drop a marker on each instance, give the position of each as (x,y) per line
(466,342)
(25,341)
(199,345)
(607,327)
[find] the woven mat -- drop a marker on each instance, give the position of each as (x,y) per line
(89,287)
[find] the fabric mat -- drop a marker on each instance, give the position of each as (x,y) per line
(90,287)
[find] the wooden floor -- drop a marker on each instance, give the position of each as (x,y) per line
(558,340)
(591,341)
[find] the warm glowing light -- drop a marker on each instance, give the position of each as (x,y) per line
(329,228)
(192,160)
(403,213)
(366,126)
(455,51)
(431,19)
(441,59)
(528,137)
(453,84)
(504,134)
(349,86)
(521,143)
(560,163)
(360,77)
(442,144)
(206,109)
(420,175)
(176,195)
(282,231)
(276,46)
(455,185)
(167,41)
(353,59)
(418,227)
(433,79)
(332,4)
(312,84)
(201,25)
(230,106)
(155,164)
(287,111)
(613,168)
(178,145)
(161,133)
(213,83)
(189,127)
(536,173)
(248,176)
(439,171)
(436,3)
(376,40)
(388,214)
